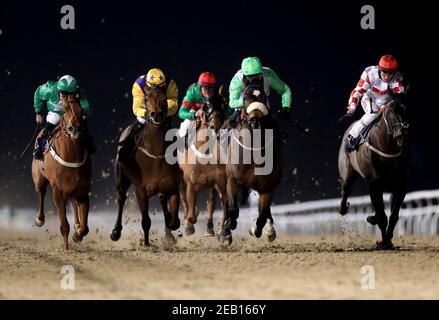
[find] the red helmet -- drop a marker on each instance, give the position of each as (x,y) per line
(388,63)
(207,79)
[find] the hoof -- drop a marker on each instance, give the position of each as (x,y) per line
(189,228)
(372,220)
(169,237)
(384,245)
(271,236)
(174,225)
(169,240)
(76,238)
(39,223)
(226,241)
(253,231)
(115,235)
(343,209)
(210,233)
(269,231)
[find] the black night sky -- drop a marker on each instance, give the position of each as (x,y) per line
(319,49)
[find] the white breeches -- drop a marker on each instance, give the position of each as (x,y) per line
(141,120)
(53,118)
(367,118)
(184,126)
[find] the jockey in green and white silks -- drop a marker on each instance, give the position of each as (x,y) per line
(47,96)
(253,73)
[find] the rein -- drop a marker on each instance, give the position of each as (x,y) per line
(391,131)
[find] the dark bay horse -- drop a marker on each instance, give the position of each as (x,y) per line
(242,174)
(148,170)
(67,168)
(205,171)
(383,161)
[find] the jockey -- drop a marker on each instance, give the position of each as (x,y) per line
(153,79)
(373,88)
(48,96)
(253,73)
(195,99)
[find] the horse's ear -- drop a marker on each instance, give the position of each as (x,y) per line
(221,90)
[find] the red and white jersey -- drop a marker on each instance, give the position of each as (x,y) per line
(372,86)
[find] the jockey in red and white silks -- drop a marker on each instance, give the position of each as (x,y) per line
(372,89)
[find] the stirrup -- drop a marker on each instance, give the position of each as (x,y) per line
(352,143)
(38,153)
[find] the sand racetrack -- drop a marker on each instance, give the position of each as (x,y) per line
(292,267)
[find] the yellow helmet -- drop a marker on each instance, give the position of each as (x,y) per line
(155,78)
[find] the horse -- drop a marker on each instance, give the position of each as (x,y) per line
(67,168)
(148,170)
(242,175)
(198,176)
(383,161)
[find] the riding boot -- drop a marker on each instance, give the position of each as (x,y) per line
(352,143)
(128,145)
(38,152)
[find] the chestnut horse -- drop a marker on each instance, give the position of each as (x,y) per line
(148,170)
(205,171)
(242,174)
(382,160)
(67,168)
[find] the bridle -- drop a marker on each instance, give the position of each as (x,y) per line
(152,116)
(394,129)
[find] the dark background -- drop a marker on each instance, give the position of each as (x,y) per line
(319,49)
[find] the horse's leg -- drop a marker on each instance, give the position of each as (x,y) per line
(142,200)
(395,203)
(380,218)
(264,213)
(60,201)
(224,232)
(347,178)
(233,194)
(83,205)
(122,187)
(172,222)
(77,225)
(41,189)
(191,219)
(183,199)
(211,201)
(269,230)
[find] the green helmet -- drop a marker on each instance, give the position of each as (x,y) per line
(67,84)
(251,65)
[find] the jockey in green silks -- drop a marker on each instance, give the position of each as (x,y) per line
(47,96)
(252,73)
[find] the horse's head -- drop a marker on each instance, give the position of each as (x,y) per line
(73,119)
(396,117)
(255,107)
(215,108)
(156,105)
